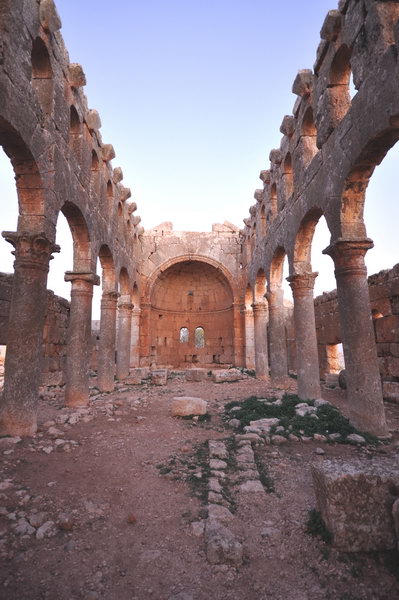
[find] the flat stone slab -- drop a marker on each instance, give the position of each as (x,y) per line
(355,501)
(196,374)
(184,406)
(226,375)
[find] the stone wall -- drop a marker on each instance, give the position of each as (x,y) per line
(191,280)
(54,334)
(384,307)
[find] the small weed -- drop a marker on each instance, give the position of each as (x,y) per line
(315,526)
(264,475)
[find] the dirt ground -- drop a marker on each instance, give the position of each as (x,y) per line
(86,513)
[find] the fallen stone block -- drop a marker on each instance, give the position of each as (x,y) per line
(355,501)
(187,405)
(196,374)
(222,547)
(228,375)
(159,377)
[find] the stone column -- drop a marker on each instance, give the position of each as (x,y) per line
(135,338)
(260,329)
(305,335)
(79,338)
(249,338)
(106,350)
(18,409)
(124,334)
(363,377)
(277,338)
(238,324)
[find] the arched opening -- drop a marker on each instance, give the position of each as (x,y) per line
(182,296)
(273,201)
(184,335)
(307,144)
(287,180)
(110,198)
(249,329)
(260,287)
(95,176)
(75,132)
(42,75)
(263,223)
(199,337)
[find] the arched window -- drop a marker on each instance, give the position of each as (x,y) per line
(199,337)
(184,335)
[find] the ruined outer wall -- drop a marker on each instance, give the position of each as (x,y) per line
(384,304)
(54,334)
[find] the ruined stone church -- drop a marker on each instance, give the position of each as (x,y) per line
(181,300)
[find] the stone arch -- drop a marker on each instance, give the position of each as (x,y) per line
(108,268)
(287,179)
(82,259)
(187,258)
(273,200)
(29,184)
(249,297)
(94,174)
(355,185)
(260,286)
(124,282)
(303,240)
(276,266)
(190,292)
(263,221)
(75,130)
(42,75)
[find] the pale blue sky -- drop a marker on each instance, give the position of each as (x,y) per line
(191,94)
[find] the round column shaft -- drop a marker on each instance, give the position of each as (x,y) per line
(124,334)
(79,338)
(249,339)
(362,372)
(277,338)
(18,409)
(305,335)
(135,338)
(260,329)
(106,350)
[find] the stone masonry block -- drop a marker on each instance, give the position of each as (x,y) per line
(303,82)
(49,16)
(355,500)
(331,26)
(387,329)
(77,77)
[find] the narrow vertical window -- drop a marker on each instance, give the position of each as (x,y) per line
(199,337)
(183,335)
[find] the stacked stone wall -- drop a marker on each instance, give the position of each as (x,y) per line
(54,333)
(384,309)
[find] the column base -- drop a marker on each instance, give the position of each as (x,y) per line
(76,400)
(13,426)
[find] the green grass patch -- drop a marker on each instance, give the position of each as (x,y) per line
(325,420)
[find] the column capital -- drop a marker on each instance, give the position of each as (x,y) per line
(260,307)
(31,250)
(348,255)
(125,306)
(302,283)
(109,299)
(88,277)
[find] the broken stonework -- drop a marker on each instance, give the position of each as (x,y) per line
(222,546)
(226,375)
(187,405)
(196,374)
(159,377)
(355,501)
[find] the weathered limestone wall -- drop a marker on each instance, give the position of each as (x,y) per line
(384,307)
(54,333)
(191,280)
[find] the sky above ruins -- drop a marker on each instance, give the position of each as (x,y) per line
(192,95)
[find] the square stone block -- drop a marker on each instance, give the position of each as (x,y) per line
(355,501)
